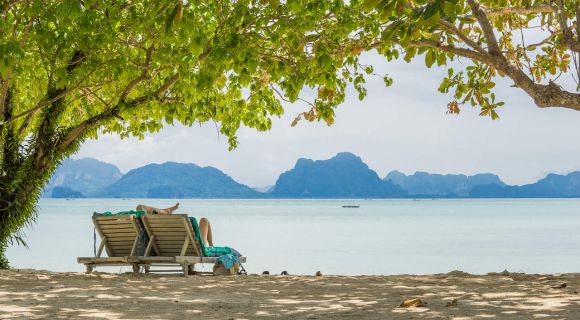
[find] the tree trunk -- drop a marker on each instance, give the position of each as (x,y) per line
(24,170)
(3,259)
(21,185)
(26,163)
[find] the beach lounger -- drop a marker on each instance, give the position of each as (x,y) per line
(172,239)
(119,238)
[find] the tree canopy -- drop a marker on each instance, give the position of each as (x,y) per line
(127,66)
(72,69)
(536,43)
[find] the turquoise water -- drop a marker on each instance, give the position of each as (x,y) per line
(380,237)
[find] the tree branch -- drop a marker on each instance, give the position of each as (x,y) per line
(46,131)
(568,35)
(26,122)
(550,95)
(494,12)
(541,43)
(451,27)
(76,132)
(142,77)
(466,53)
(486,27)
(578,20)
(44,103)
(4,90)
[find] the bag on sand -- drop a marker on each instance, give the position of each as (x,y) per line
(220,270)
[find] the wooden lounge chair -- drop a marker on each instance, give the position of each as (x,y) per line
(172,239)
(119,238)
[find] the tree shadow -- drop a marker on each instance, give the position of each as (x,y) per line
(35,294)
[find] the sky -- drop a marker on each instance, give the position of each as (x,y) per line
(404,127)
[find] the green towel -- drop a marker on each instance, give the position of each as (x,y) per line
(137,213)
(207,251)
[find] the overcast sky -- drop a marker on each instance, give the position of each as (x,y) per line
(403,127)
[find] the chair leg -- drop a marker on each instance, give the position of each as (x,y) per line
(185,268)
(136,269)
(89,268)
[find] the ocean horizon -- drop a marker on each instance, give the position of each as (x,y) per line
(302,236)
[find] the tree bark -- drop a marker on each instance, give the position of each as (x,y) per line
(24,170)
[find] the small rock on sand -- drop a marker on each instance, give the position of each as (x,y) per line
(266,272)
(451,303)
(410,303)
(284,273)
(318,274)
(560,286)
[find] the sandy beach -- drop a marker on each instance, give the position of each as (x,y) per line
(33,294)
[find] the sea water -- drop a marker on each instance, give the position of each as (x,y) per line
(305,236)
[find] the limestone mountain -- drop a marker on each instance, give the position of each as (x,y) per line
(83,177)
(343,176)
(177,180)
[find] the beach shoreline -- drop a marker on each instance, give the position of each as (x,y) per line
(39,294)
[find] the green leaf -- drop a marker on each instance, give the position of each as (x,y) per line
(430,58)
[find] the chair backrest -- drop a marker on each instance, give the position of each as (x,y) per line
(119,234)
(170,235)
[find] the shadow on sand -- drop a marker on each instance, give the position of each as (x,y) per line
(35,294)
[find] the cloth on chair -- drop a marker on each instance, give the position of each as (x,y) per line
(226,255)
(137,213)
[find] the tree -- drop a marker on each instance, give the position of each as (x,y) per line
(73,69)
(536,43)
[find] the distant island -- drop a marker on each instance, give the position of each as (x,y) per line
(342,176)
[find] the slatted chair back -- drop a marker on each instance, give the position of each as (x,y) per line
(119,234)
(170,235)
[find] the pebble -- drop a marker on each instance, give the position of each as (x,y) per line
(411,303)
(452,303)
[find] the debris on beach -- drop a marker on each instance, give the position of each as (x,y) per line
(413,303)
(516,276)
(318,274)
(451,303)
(504,273)
(560,286)
(266,272)
(458,273)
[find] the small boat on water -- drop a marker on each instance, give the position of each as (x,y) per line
(351,206)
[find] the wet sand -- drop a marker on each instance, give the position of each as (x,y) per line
(34,294)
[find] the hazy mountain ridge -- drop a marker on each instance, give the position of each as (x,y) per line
(441,185)
(552,186)
(86,176)
(342,176)
(177,180)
